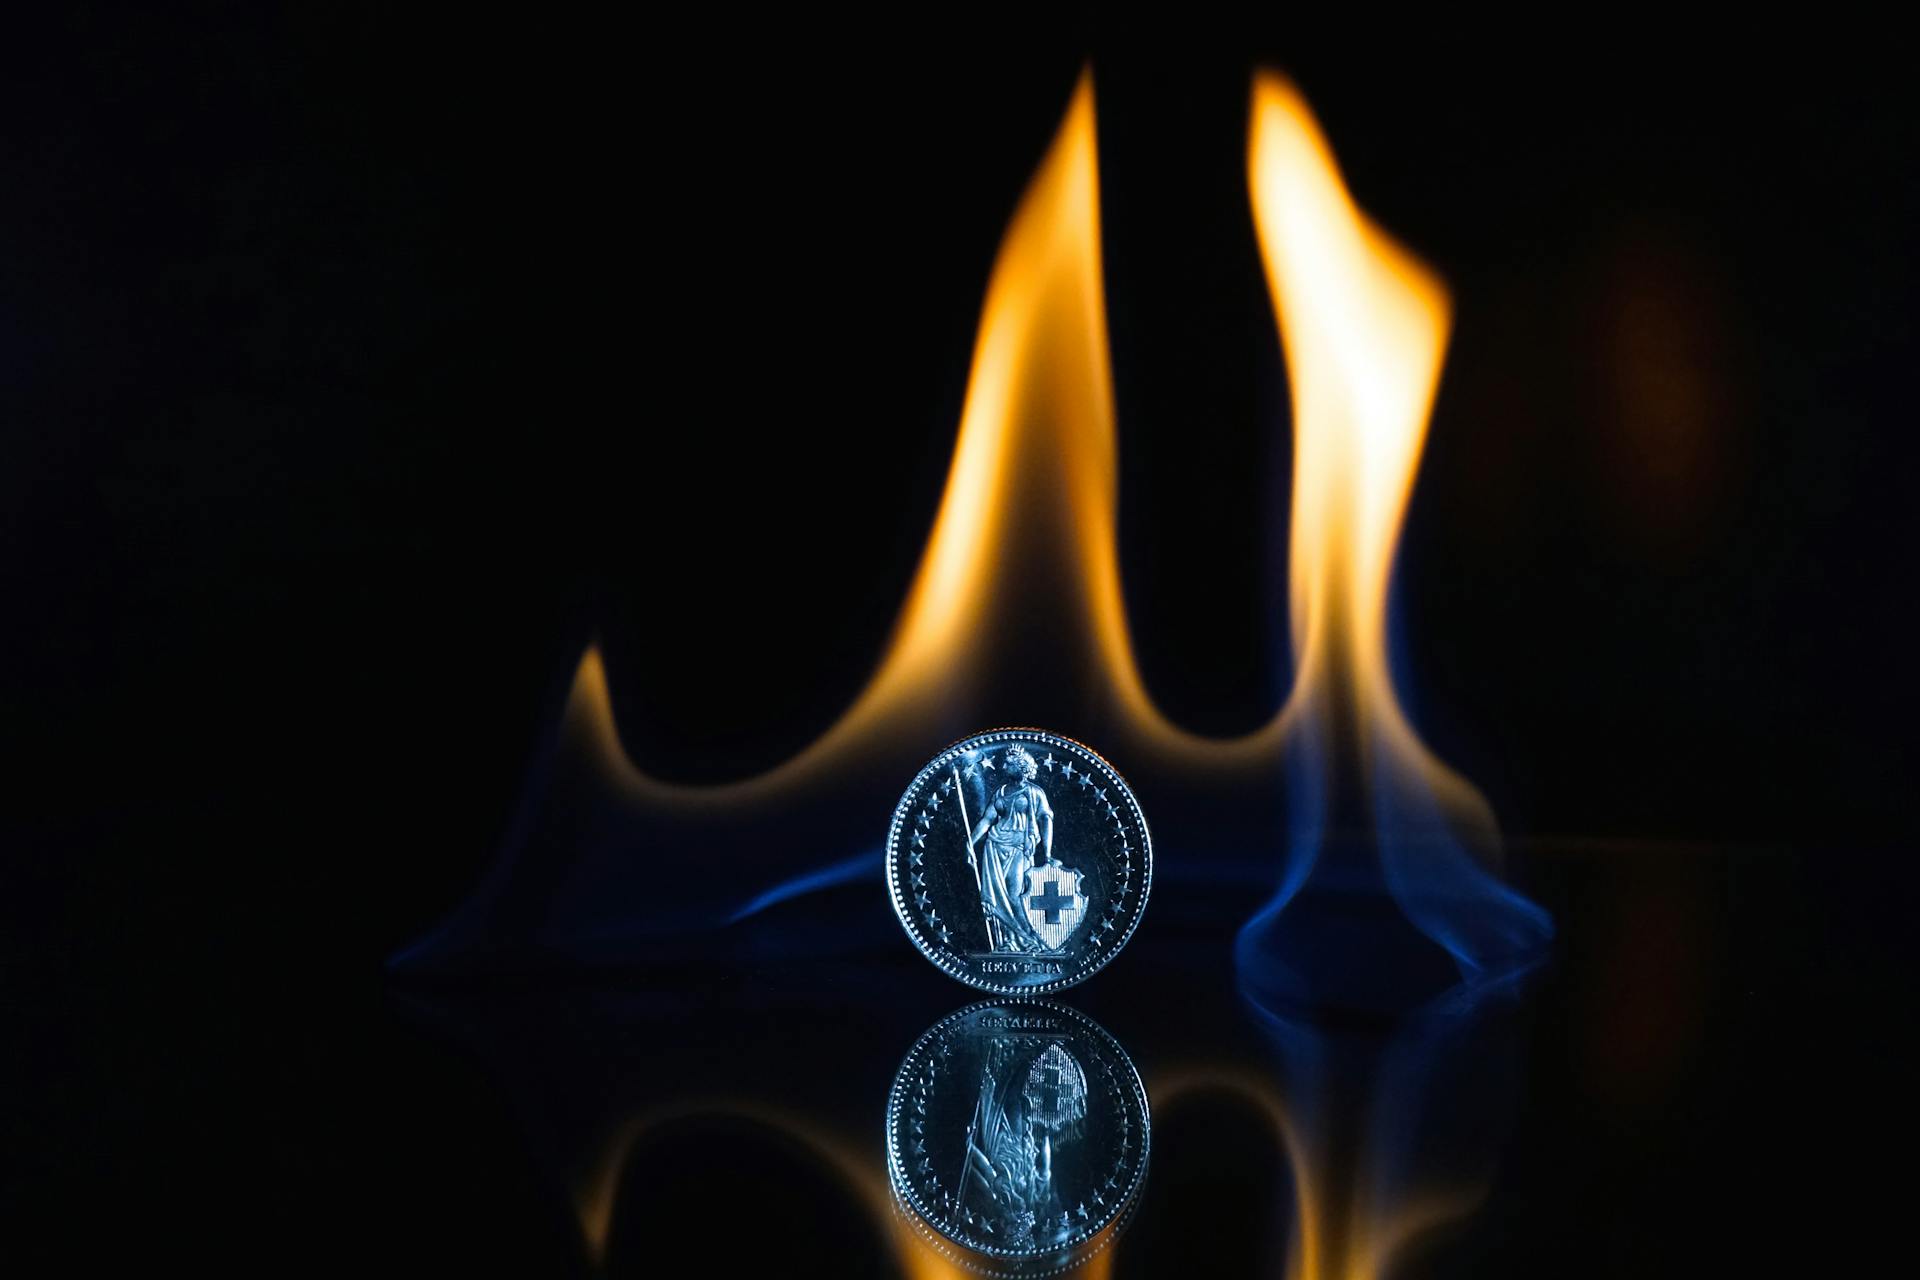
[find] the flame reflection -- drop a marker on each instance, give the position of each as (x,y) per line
(851,1164)
(1388,1140)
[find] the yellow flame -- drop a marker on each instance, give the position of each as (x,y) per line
(1036,453)
(1364,324)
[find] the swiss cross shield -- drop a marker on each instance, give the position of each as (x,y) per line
(1053,903)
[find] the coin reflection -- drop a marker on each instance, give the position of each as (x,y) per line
(1017,1135)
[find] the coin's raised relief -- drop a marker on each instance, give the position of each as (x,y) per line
(1019,861)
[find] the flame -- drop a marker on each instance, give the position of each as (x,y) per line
(1364,324)
(1364,327)
(1031,502)
(1036,457)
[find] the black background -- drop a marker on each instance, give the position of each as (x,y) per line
(355,367)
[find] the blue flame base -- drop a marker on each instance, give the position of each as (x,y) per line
(1329,950)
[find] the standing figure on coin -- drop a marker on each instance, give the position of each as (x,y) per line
(1014,835)
(1058,877)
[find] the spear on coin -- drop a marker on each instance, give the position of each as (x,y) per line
(966,831)
(966,824)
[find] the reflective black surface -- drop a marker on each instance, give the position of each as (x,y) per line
(1605,1116)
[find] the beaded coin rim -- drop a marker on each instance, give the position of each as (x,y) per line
(940,954)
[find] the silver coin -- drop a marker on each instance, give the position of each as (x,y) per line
(1019,861)
(1017,1136)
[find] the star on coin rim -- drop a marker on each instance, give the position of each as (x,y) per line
(897,1177)
(943,955)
